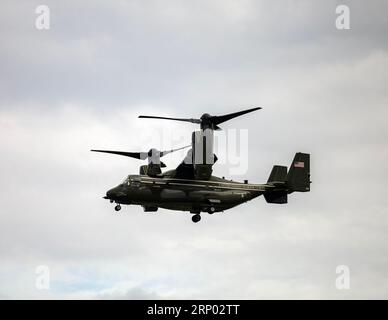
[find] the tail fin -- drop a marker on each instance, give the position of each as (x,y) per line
(278,175)
(283,183)
(298,177)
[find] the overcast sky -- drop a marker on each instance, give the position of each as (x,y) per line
(81,85)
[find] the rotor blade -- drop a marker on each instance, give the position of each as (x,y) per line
(163,153)
(136,155)
(220,119)
(176,119)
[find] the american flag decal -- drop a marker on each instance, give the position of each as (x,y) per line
(299,164)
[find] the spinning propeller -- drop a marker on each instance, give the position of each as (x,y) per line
(207,121)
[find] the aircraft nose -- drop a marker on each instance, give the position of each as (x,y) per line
(111,193)
(114,193)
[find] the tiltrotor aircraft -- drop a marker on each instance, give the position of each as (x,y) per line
(192,187)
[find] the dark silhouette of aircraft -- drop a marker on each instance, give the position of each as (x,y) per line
(192,187)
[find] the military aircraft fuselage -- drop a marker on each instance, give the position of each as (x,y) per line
(191,185)
(213,195)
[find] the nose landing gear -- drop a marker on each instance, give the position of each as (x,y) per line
(118,207)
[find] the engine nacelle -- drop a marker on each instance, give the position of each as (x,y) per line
(203,156)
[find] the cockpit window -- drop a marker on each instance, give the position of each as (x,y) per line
(131,181)
(127,181)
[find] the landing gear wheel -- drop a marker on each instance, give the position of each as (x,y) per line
(196,218)
(118,207)
(211,210)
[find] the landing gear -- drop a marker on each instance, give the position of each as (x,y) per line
(196,218)
(118,207)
